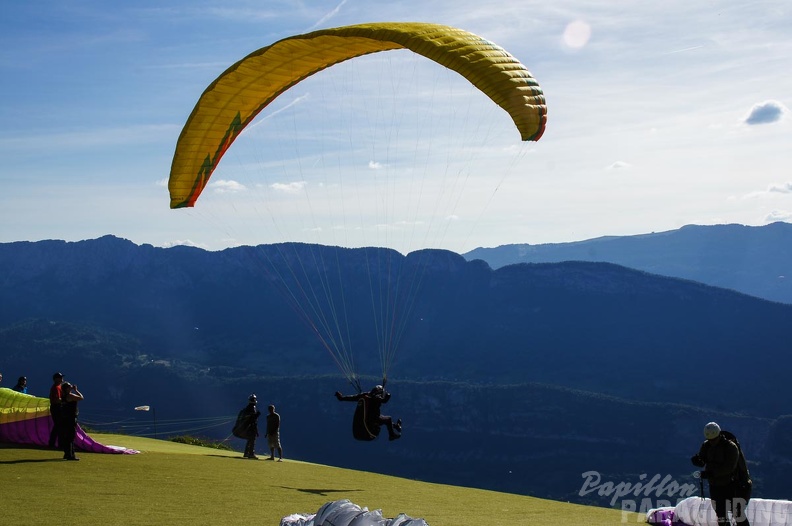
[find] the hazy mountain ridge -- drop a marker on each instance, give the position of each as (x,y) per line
(575,324)
(752,260)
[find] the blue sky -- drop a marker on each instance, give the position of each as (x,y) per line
(659,115)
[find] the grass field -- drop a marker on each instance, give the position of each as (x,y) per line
(176,484)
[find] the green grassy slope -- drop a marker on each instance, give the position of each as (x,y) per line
(176,484)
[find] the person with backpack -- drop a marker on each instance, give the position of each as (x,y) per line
(246,427)
(724,468)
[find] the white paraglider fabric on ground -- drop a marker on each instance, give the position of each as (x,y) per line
(695,511)
(346,513)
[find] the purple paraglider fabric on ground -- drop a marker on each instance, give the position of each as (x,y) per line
(664,517)
(25,419)
(696,511)
(346,513)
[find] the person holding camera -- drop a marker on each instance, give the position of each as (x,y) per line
(68,419)
(725,470)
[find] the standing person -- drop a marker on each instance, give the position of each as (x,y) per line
(273,433)
(724,468)
(55,396)
(247,427)
(21,385)
(68,424)
(368,417)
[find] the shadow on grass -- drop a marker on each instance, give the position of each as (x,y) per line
(31,447)
(15,445)
(321,492)
(31,460)
(240,457)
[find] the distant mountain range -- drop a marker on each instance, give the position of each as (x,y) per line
(544,369)
(752,260)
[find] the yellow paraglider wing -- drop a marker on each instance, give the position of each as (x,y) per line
(234,99)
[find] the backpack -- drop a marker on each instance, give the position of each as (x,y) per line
(362,427)
(741,474)
(242,425)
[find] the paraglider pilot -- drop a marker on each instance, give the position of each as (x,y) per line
(725,469)
(368,418)
(246,427)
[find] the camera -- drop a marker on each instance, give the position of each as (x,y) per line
(696,460)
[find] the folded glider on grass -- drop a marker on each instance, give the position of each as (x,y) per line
(346,513)
(25,419)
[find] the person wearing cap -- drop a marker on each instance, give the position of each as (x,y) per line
(719,457)
(55,396)
(21,385)
(251,414)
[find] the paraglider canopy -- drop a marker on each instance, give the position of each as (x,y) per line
(234,99)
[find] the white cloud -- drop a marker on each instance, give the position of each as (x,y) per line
(184,243)
(766,112)
(82,139)
(619,165)
(778,215)
(683,50)
(785,188)
(269,115)
(232,14)
(208,66)
(289,188)
(374,165)
(399,225)
(329,15)
(226,186)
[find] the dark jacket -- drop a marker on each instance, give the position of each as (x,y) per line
(720,459)
(247,422)
(373,402)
